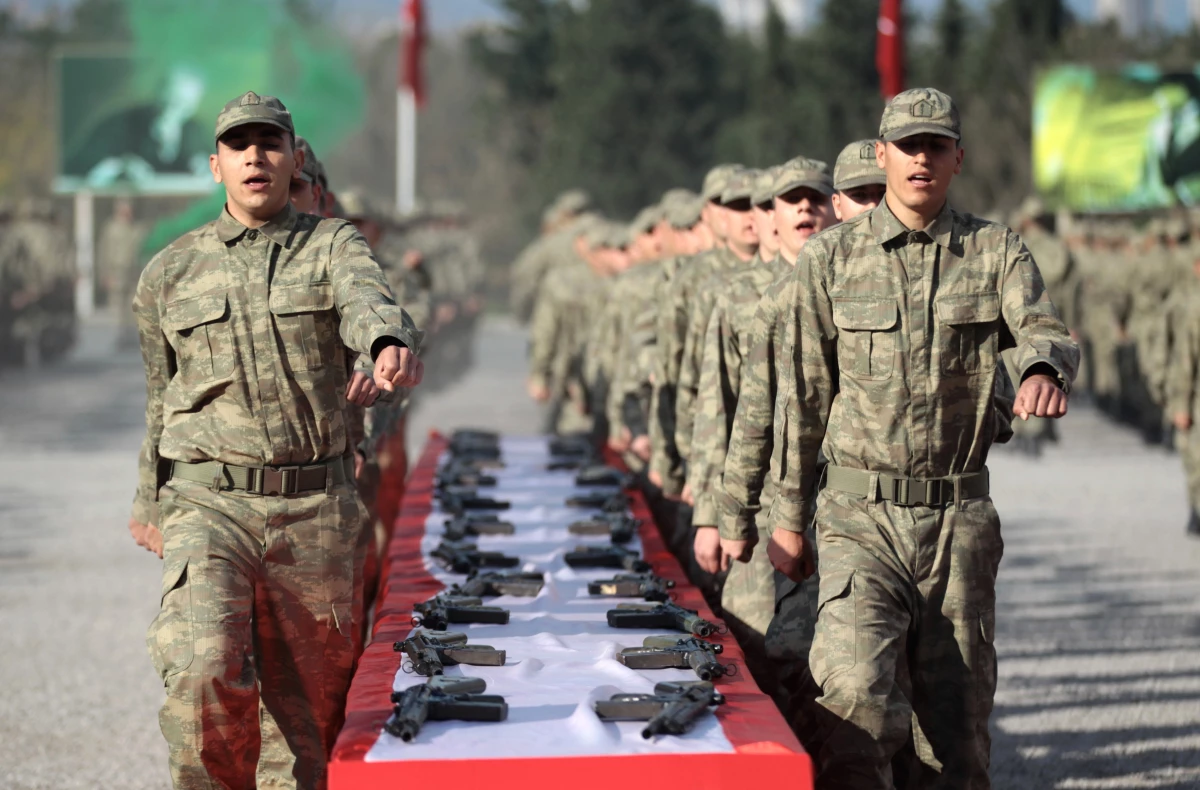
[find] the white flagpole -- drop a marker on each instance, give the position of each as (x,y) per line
(406,149)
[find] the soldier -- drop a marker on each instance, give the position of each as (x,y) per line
(244,325)
(1183,388)
(552,247)
(897,325)
(307,192)
(45,324)
(118,264)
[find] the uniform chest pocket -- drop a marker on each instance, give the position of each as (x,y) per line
(304,321)
(968,325)
(201,331)
(867,329)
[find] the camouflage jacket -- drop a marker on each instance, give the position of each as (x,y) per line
(531,268)
(244,335)
(630,303)
(896,336)
(670,326)
(725,347)
(698,304)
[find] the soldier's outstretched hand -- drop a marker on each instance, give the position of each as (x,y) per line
(1040,396)
(397,366)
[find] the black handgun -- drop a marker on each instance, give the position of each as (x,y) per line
(439,699)
(609,503)
(474,525)
(457,500)
(671,652)
(671,710)
(634,585)
(430,652)
(441,610)
(600,475)
(618,526)
(525,584)
(462,475)
(459,557)
(576,445)
(666,614)
(607,557)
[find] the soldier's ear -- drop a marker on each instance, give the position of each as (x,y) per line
(214,165)
(958,159)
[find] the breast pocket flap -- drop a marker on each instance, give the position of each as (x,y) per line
(302,298)
(865,314)
(184,314)
(978,308)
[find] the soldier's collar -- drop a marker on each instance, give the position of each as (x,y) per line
(278,229)
(886,227)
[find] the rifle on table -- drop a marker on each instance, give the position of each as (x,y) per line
(457,500)
(525,584)
(618,526)
(666,614)
(633,585)
(671,710)
(430,652)
(600,475)
(462,475)
(459,557)
(476,524)
(609,503)
(607,557)
(671,652)
(576,445)
(440,699)
(441,610)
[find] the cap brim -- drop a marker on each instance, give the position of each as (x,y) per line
(732,197)
(824,187)
(245,121)
(860,181)
(913,129)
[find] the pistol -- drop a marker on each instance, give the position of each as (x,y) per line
(633,585)
(609,503)
(457,500)
(671,710)
(666,614)
(441,610)
(576,445)
(618,526)
(524,584)
(440,699)
(459,557)
(462,474)
(671,652)
(430,652)
(601,475)
(476,524)
(606,557)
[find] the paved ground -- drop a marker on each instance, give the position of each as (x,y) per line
(1099,617)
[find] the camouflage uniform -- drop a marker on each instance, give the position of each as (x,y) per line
(46,327)
(118,258)
(890,394)
(530,268)
(244,334)
(1182,388)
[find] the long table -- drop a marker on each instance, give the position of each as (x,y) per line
(560,660)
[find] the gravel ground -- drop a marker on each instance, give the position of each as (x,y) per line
(1099,615)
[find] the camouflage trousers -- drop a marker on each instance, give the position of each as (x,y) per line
(1188,445)
(916,583)
(748,605)
(254,636)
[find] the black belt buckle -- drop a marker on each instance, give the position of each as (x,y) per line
(280,481)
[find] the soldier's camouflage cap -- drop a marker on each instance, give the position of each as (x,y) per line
(716,180)
(676,195)
(803,172)
(764,185)
(252,108)
(685,214)
(856,166)
(740,185)
(355,205)
(568,204)
(646,219)
(312,170)
(920,111)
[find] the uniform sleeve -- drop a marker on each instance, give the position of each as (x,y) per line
(1037,331)
(544,335)
(699,313)
(664,456)
(806,397)
(1185,359)
(751,439)
(364,301)
(161,366)
(720,373)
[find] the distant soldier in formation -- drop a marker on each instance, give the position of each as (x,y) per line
(118,265)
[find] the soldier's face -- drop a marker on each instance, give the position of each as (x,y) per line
(256,162)
(304,196)
(714,216)
(764,223)
(800,214)
(919,169)
(739,225)
(850,203)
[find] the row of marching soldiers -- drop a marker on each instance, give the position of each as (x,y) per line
(431,261)
(638,334)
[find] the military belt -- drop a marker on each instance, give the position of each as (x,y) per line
(266,480)
(906,491)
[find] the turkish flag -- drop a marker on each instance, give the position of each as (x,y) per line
(412,46)
(889,48)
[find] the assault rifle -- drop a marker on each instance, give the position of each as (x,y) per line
(671,652)
(459,557)
(440,699)
(606,557)
(476,524)
(430,652)
(525,584)
(441,610)
(671,710)
(666,614)
(633,585)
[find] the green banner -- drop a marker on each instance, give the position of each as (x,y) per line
(1125,140)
